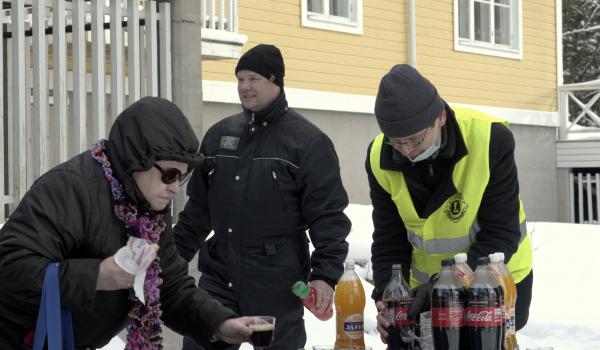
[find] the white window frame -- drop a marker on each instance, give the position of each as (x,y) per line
(352,24)
(514,50)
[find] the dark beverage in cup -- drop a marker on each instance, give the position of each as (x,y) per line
(262,334)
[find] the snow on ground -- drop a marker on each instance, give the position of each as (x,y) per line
(565,303)
(565,306)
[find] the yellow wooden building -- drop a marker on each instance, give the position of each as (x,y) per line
(499,56)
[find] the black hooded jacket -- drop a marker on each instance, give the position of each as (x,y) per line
(67,216)
(267,178)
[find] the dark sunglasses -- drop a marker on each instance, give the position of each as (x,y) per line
(171,175)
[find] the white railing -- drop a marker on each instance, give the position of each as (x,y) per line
(578,148)
(220,15)
(220,29)
(55,107)
(585,191)
(567,94)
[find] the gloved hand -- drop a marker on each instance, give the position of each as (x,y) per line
(422,298)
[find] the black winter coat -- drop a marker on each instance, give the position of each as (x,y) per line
(430,185)
(67,216)
(267,178)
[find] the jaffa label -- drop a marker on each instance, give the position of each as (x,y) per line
(354,326)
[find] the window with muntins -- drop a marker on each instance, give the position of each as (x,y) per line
(336,15)
(488,27)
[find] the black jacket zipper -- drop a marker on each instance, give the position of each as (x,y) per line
(276,186)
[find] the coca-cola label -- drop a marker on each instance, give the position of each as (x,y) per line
(354,326)
(484,313)
(396,313)
(401,318)
(451,315)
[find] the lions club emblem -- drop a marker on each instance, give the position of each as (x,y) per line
(456,208)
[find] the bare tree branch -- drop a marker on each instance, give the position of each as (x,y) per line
(583,30)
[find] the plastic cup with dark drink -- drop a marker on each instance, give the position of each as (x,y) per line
(263,331)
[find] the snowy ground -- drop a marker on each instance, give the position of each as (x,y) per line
(565,306)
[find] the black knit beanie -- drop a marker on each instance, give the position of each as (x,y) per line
(265,60)
(406,102)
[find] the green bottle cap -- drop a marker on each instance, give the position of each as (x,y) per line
(301,290)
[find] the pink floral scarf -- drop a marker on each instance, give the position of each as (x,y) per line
(144,330)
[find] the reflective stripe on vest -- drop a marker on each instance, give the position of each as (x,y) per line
(449,245)
(452,227)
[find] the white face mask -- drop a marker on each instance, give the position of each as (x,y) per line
(428,152)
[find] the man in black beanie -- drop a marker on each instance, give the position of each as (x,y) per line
(269,176)
(443,181)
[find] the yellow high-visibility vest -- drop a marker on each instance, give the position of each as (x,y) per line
(452,228)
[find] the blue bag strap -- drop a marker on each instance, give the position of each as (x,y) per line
(50,317)
(67,328)
(40,325)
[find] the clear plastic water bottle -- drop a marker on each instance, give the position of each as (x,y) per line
(425,339)
(462,270)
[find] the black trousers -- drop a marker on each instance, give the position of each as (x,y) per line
(259,299)
(523,301)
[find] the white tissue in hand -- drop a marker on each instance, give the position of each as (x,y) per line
(135,257)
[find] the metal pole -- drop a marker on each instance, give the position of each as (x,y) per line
(412,33)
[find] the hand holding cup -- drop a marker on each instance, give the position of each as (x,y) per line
(263,331)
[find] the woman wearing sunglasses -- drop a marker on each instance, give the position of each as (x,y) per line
(100,205)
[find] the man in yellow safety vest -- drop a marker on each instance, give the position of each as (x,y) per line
(442,181)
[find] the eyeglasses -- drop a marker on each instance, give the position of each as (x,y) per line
(171,175)
(413,142)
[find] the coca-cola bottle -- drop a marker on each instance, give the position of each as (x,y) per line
(485,309)
(397,298)
(308,295)
(448,310)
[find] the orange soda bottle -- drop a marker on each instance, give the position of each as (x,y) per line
(462,270)
(349,309)
(510,298)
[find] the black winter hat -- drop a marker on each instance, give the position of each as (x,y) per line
(265,60)
(406,102)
